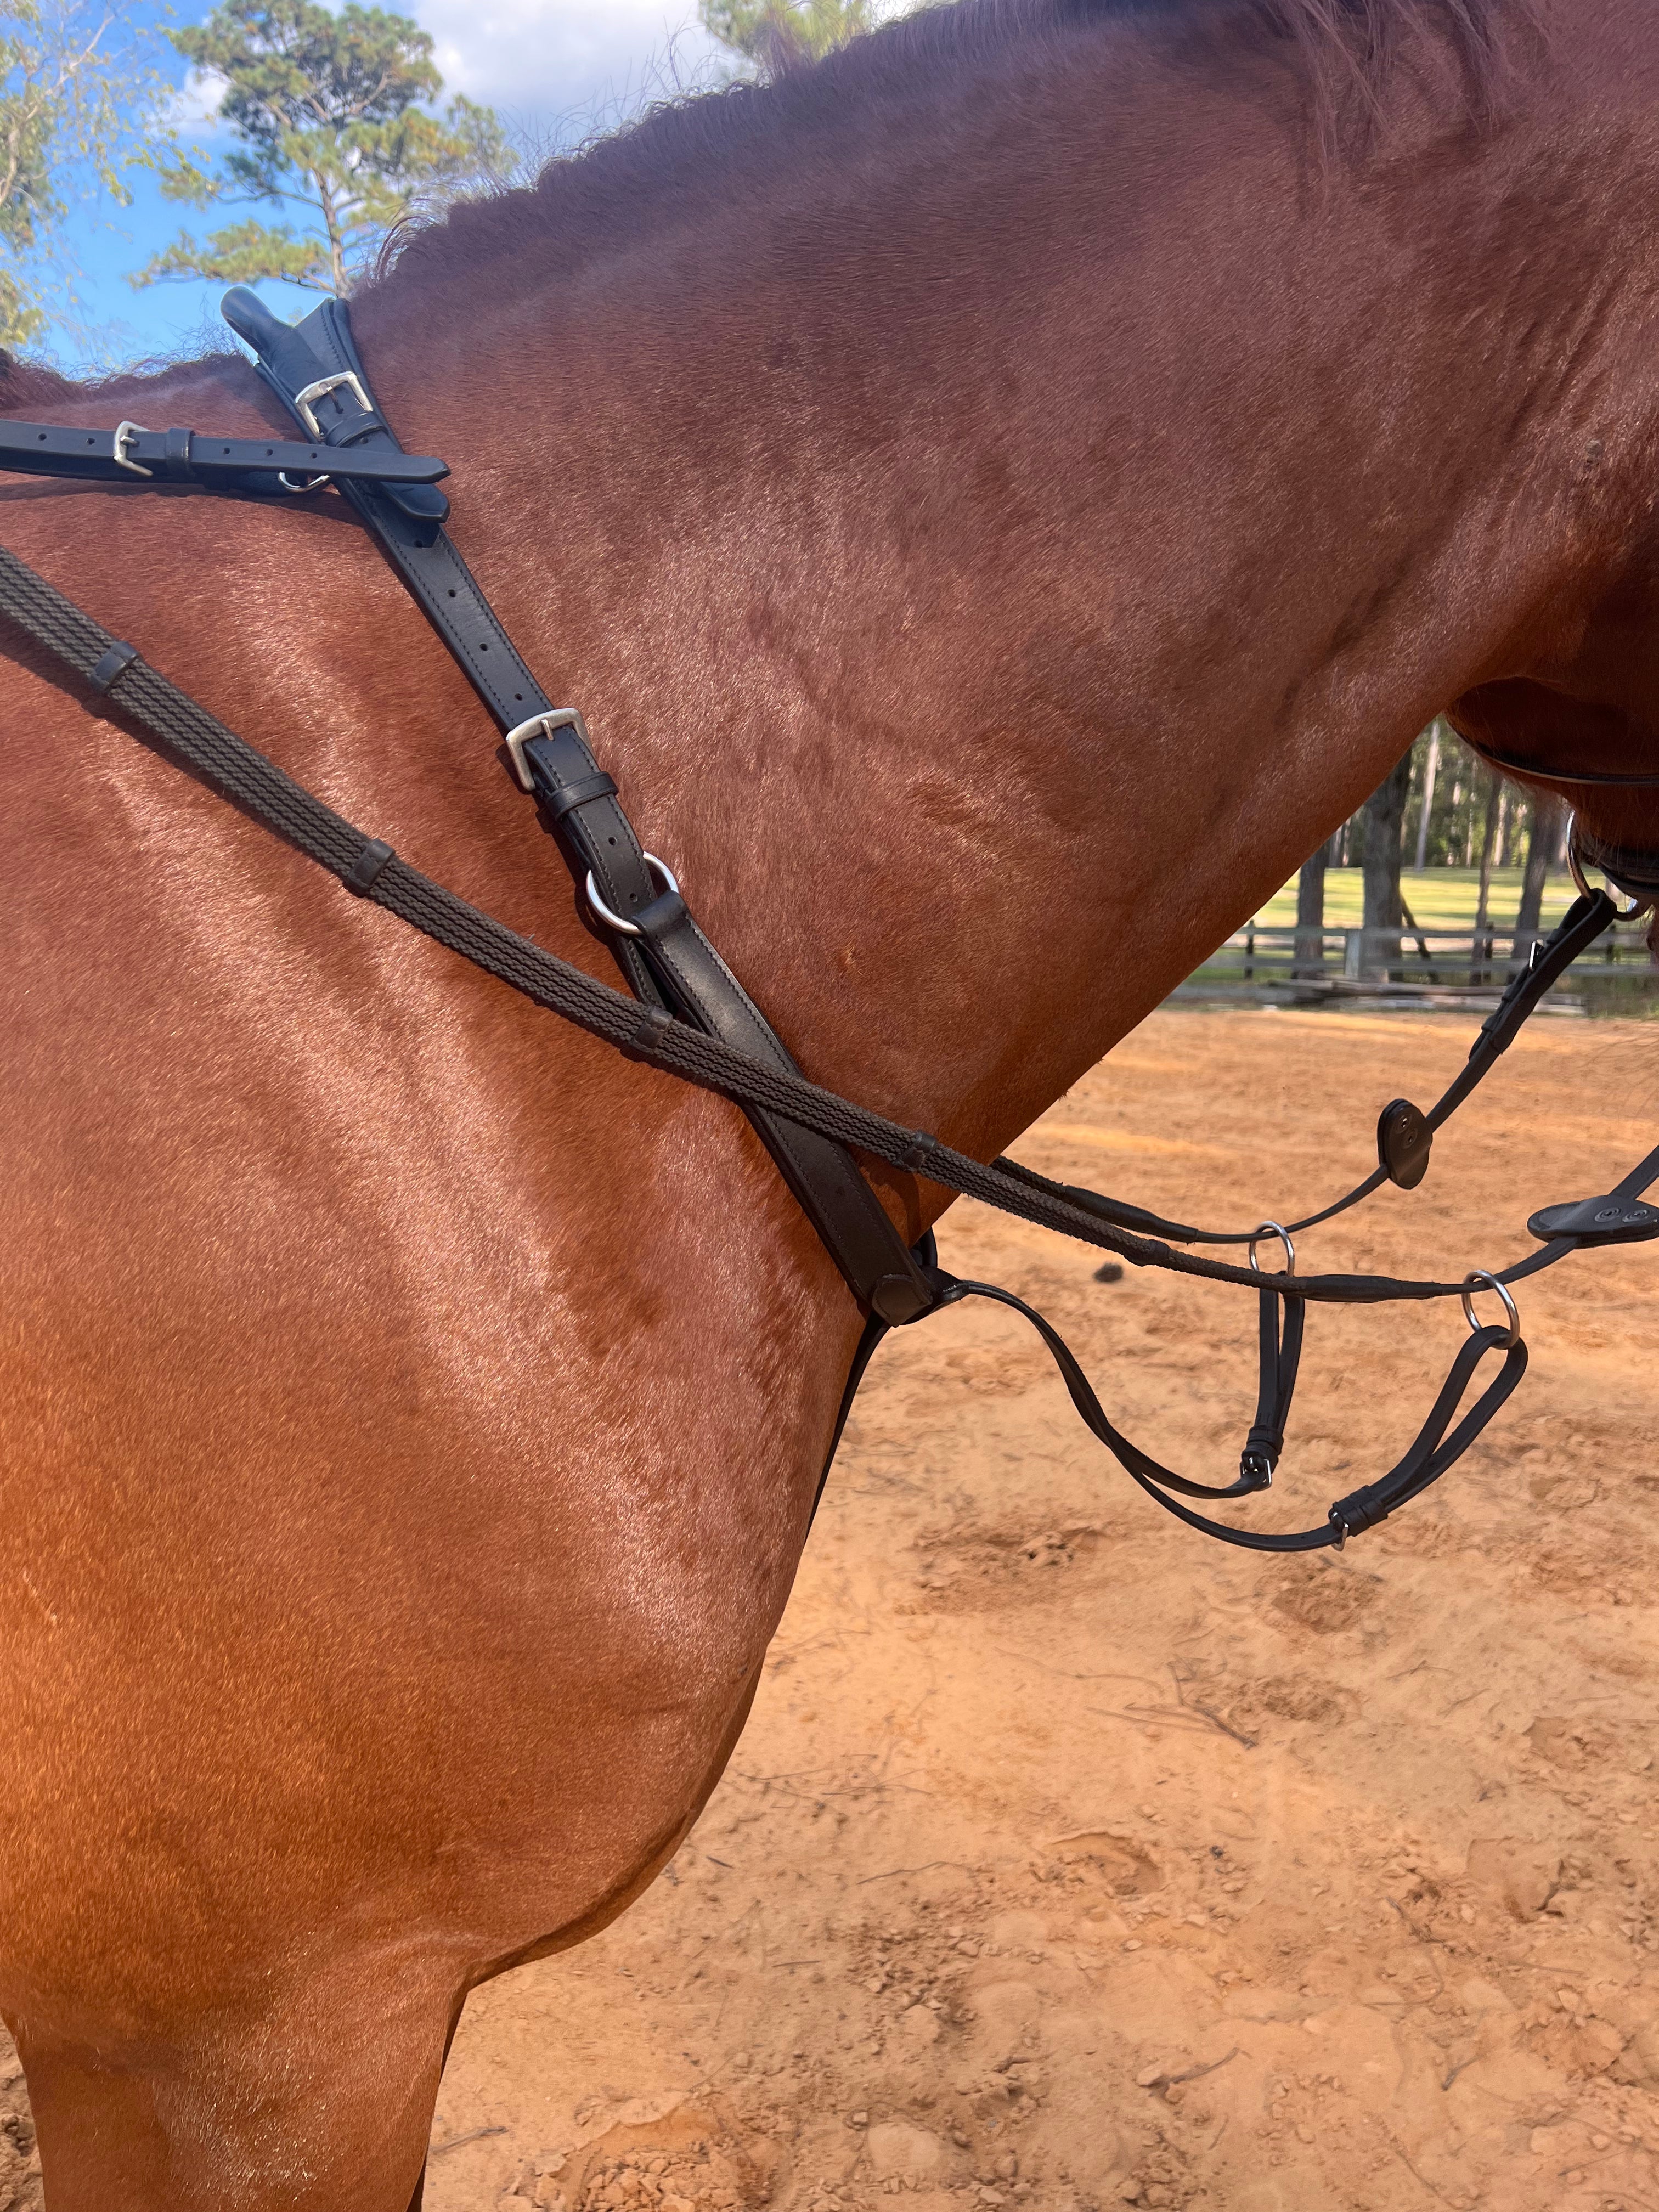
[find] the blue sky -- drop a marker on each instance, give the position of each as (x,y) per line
(555,70)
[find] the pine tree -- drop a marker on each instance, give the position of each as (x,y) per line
(328,111)
(775,35)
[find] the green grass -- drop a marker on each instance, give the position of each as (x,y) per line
(1439,898)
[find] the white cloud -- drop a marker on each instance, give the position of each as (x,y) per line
(561,68)
(193,108)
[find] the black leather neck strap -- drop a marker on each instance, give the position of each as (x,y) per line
(668,962)
(130,454)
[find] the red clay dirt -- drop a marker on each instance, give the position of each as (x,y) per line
(1070,1862)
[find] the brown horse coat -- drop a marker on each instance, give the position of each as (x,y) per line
(999,500)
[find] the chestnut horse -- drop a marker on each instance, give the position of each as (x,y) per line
(999,499)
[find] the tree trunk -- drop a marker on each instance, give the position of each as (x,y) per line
(1385,823)
(1430,771)
(1482,913)
(1308,961)
(1541,852)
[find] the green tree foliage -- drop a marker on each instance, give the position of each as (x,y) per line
(81,103)
(1456,808)
(774,34)
(328,111)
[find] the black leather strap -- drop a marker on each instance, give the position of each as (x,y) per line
(1433,1451)
(925,1253)
(1583,922)
(831,1193)
(130,454)
(1279,1333)
(594,835)
(1515,766)
(664,956)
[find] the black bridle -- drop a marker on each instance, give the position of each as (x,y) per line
(689,1015)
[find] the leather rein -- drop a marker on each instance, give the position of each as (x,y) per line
(686,1013)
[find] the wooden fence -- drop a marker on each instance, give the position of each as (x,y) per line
(1282,965)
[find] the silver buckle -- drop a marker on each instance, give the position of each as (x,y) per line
(124,433)
(540,726)
(347,380)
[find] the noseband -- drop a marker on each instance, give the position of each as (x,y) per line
(687,1014)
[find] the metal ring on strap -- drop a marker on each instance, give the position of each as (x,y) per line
(1576,862)
(618,922)
(1273,1229)
(1482,1280)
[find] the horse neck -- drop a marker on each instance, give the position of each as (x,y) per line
(986,608)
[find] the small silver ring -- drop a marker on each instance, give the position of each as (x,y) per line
(315,483)
(1482,1280)
(1273,1229)
(1576,863)
(623,927)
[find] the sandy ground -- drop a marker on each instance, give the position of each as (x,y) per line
(1069,1861)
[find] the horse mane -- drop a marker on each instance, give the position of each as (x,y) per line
(582,202)
(25,383)
(1360,37)
(606,192)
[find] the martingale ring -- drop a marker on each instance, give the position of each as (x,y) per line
(623,927)
(1273,1229)
(1480,1279)
(1576,863)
